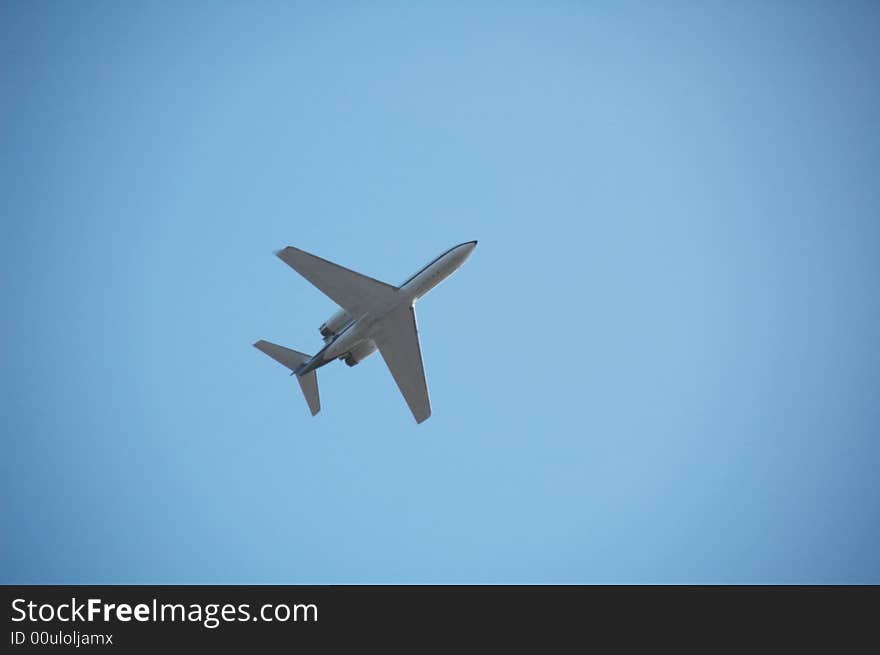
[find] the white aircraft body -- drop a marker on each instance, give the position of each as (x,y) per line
(374,316)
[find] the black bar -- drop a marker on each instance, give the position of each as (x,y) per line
(321,616)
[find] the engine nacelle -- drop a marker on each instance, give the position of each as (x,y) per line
(360,352)
(335,324)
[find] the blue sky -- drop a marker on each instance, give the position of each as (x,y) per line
(661,363)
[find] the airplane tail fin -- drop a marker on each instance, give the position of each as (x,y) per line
(295,360)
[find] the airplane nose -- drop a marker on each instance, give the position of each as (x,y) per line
(467,249)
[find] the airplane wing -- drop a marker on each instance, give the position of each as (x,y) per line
(398,341)
(354,292)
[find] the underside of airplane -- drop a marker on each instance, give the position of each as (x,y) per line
(373,316)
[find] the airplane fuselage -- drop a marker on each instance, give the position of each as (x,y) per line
(361,328)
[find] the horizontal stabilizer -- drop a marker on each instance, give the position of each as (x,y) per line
(294,360)
(309,385)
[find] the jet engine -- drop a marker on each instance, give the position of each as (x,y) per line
(360,352)
(335,324)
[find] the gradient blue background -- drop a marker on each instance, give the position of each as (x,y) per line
(661,363)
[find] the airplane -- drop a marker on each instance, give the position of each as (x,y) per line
(373,316)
